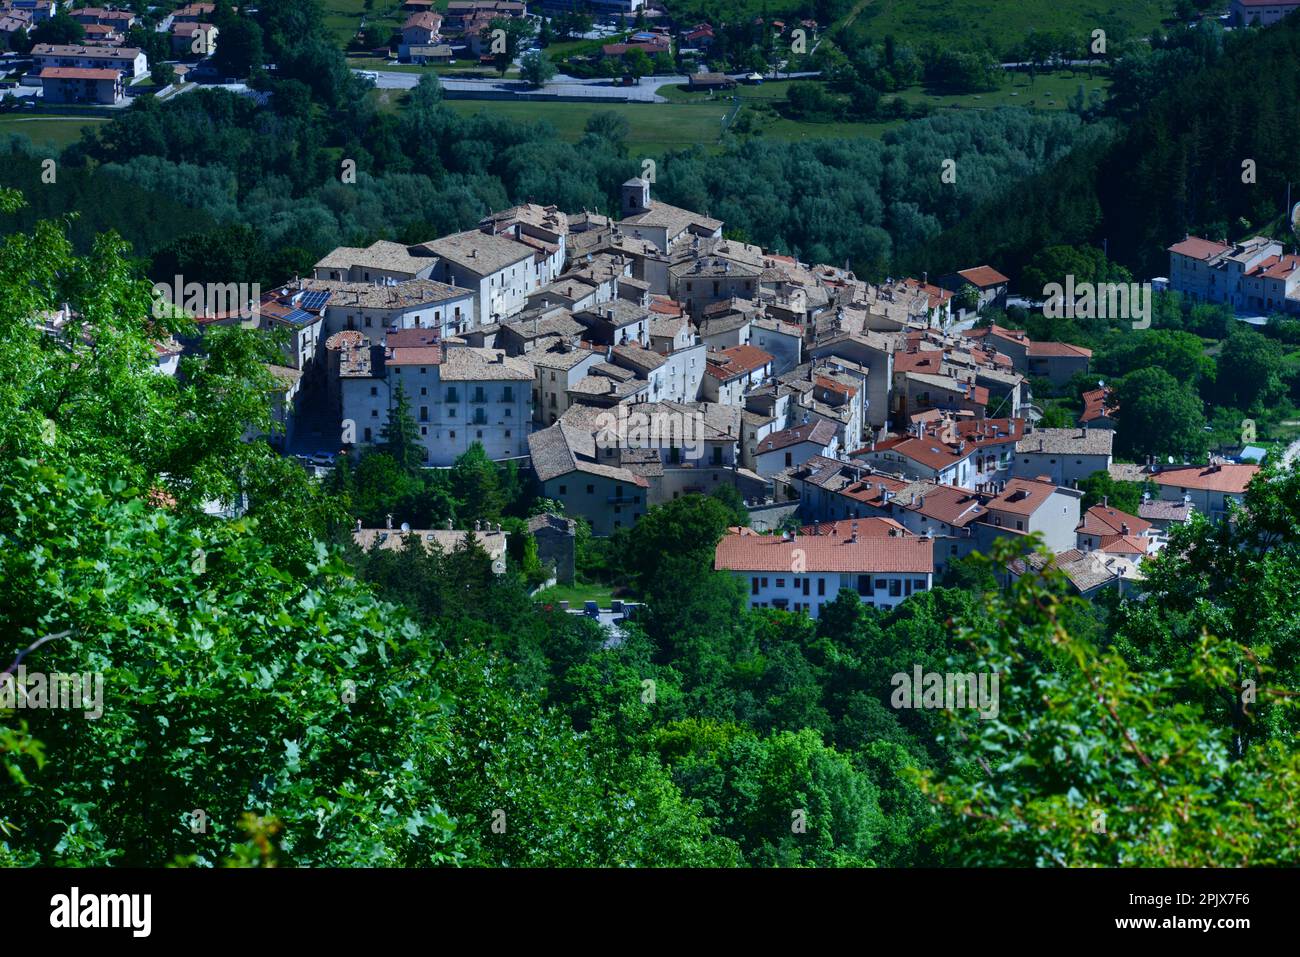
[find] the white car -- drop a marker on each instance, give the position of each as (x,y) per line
(323,459)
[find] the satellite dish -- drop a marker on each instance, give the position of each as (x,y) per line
(499,566)
(1169,459)
(1295,219)
(406,527)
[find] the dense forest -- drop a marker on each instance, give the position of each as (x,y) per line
(212,178)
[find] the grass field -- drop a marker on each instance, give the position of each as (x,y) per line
(655,127)
(56,131)
(1001,23)
(465,69)
(576,594)
(343,17)
(1048,91)
(659,127)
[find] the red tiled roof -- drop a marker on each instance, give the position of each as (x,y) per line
(982,277)
(938,295)
(77,73)
(1198,248)
(831,385)
(664,306)
(770,553)
(1104,521)
(922,360)
(1124,545)
(820,432)
(413,347)
(930,451)
(1099,403)
(726,364)
(985,432)
(1214,478)
(948,504)
(1057,349)
(1022,496)
(873,527)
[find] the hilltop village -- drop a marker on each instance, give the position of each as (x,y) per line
(876,432)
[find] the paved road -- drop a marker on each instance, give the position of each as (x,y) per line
(561,85)
(1292,454)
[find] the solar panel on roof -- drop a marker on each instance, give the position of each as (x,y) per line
(313,300)
(298,317)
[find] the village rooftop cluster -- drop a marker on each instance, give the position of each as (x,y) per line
(627,362)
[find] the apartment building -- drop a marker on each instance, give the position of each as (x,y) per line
(1253,275)
(804,572)
(459,395)
(1066,456)
(128,61)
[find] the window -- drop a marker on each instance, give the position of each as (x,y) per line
(591,490)
(374,390)
(895,588)
(374,413)
(507,433)
(424,430)
(367,435)
(764,582)
(821,586)
(509,396)
(451,395)
(424,390)
(424,413)
(564,490)
(452,434)
(1020,526)
(780,583)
